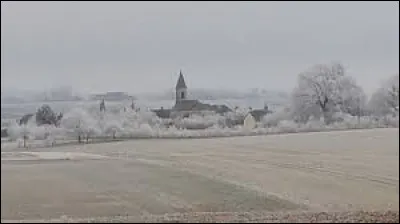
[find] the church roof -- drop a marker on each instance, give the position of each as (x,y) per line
(181,82)
(186,105)
(195,105)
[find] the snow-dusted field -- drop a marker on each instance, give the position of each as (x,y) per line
(329,171)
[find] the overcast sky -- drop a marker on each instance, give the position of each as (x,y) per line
(141,46)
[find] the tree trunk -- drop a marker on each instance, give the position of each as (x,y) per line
(25,137)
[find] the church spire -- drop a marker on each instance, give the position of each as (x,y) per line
(181,81)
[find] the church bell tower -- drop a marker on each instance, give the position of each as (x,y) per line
(180,89)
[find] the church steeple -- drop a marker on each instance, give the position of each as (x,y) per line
(181,88)
(181,81)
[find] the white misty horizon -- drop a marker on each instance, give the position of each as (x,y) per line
(23,93)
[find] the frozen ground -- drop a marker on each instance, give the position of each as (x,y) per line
(311,172)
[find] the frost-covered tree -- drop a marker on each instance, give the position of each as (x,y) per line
(80,123)
(316,90)
(385,100)
(323,90)
(112,127)
(351,97)
(45,115)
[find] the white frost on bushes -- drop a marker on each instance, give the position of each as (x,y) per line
(131,124)
(199,121)
(323,92)
(273,119)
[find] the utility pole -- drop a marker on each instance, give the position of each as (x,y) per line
(359,109)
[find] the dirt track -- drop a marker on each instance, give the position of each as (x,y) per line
(333,171)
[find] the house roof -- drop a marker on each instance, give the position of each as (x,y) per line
(162,113)
(259,114)
(181,82)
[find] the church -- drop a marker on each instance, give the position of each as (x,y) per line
(185,106)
